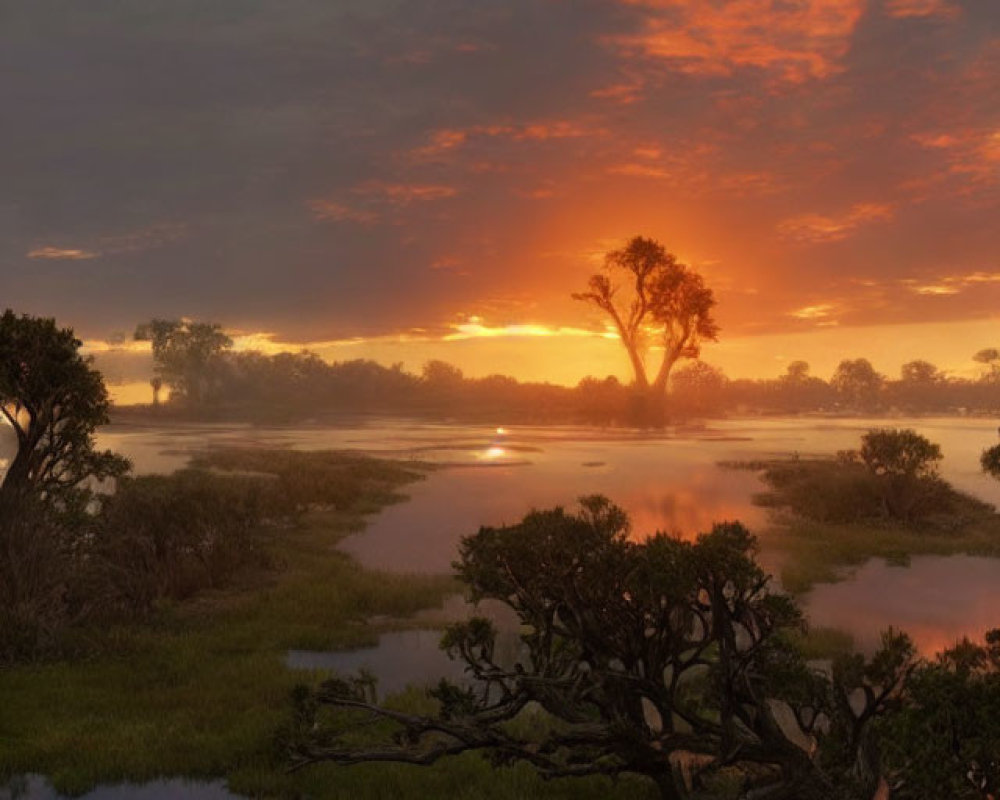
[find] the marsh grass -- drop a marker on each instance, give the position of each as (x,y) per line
(200,688)
(826,519)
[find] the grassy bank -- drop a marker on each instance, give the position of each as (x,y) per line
(201,690)
(825,520)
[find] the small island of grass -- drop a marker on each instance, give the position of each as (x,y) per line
(884,500)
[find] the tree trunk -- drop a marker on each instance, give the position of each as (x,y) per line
(660,384)
(638,366)
(666,782)
(19,472)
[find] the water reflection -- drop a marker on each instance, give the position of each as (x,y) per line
(36,787)
(667,481)
(936,600)
(400,659)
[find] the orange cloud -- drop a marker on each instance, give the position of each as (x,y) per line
(446,140)
(794,41)
(337,212)
(405,193)
(901,9)
(623,93)
(640,171)
(973,155)
(935,289)
(819,228)
(952,284)
(61,254)
(822,311)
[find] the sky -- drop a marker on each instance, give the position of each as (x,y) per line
(413,180)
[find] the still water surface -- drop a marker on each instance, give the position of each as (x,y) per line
(668,482)
(665,482)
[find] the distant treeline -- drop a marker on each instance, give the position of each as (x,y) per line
(292,387)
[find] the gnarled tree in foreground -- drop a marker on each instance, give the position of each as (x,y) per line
(53,399)
(665,658)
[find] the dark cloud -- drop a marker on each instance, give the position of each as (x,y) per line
(329,169)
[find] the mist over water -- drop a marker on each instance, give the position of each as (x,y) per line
(668,483)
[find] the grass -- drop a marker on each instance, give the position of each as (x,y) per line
(823,522)
(201,691)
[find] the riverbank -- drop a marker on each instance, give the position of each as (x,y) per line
(821,529)
(202,690)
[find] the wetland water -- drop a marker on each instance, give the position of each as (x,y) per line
(667,482)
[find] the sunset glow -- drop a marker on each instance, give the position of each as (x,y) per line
(832,167)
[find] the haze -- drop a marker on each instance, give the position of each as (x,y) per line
(405,181)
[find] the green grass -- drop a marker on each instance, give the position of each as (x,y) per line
(822,528)
(201,690)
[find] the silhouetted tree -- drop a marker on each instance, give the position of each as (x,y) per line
(797,390)
(904,463)
(990,461)
(637,656)
(649,295)
(54,400)
(857,384)
(442,374)
(944,740)
(920,372)
(157,384)
(698,388)
(797,372)
(922,386)
(185,354)
(990,357)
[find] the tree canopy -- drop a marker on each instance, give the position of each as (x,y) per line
(652,298)
(185,353)
(857,383)
(637,657)
(54,400)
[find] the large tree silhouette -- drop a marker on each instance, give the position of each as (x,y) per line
(54,400)
(636,658)
(653,299)
(185,353)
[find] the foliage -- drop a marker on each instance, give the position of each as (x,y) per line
(904,465)
(166,537)
(161,539)
(990,358)
(990,461)
(187,355)
(637,657)
(945,740)
(857,384)
(666,300)
(893,475)
(828,514)
(296,386)
(54,400)
(324,478)
(697,388)
(34,577)
(199,689)
(899,453)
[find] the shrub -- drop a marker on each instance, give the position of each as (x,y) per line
(34,574)
(166,537)
(990,461)
(904,465)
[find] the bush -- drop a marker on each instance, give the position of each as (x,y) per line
(990,461)
(167,537)
(899,452)
(904,466)
(35,569)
